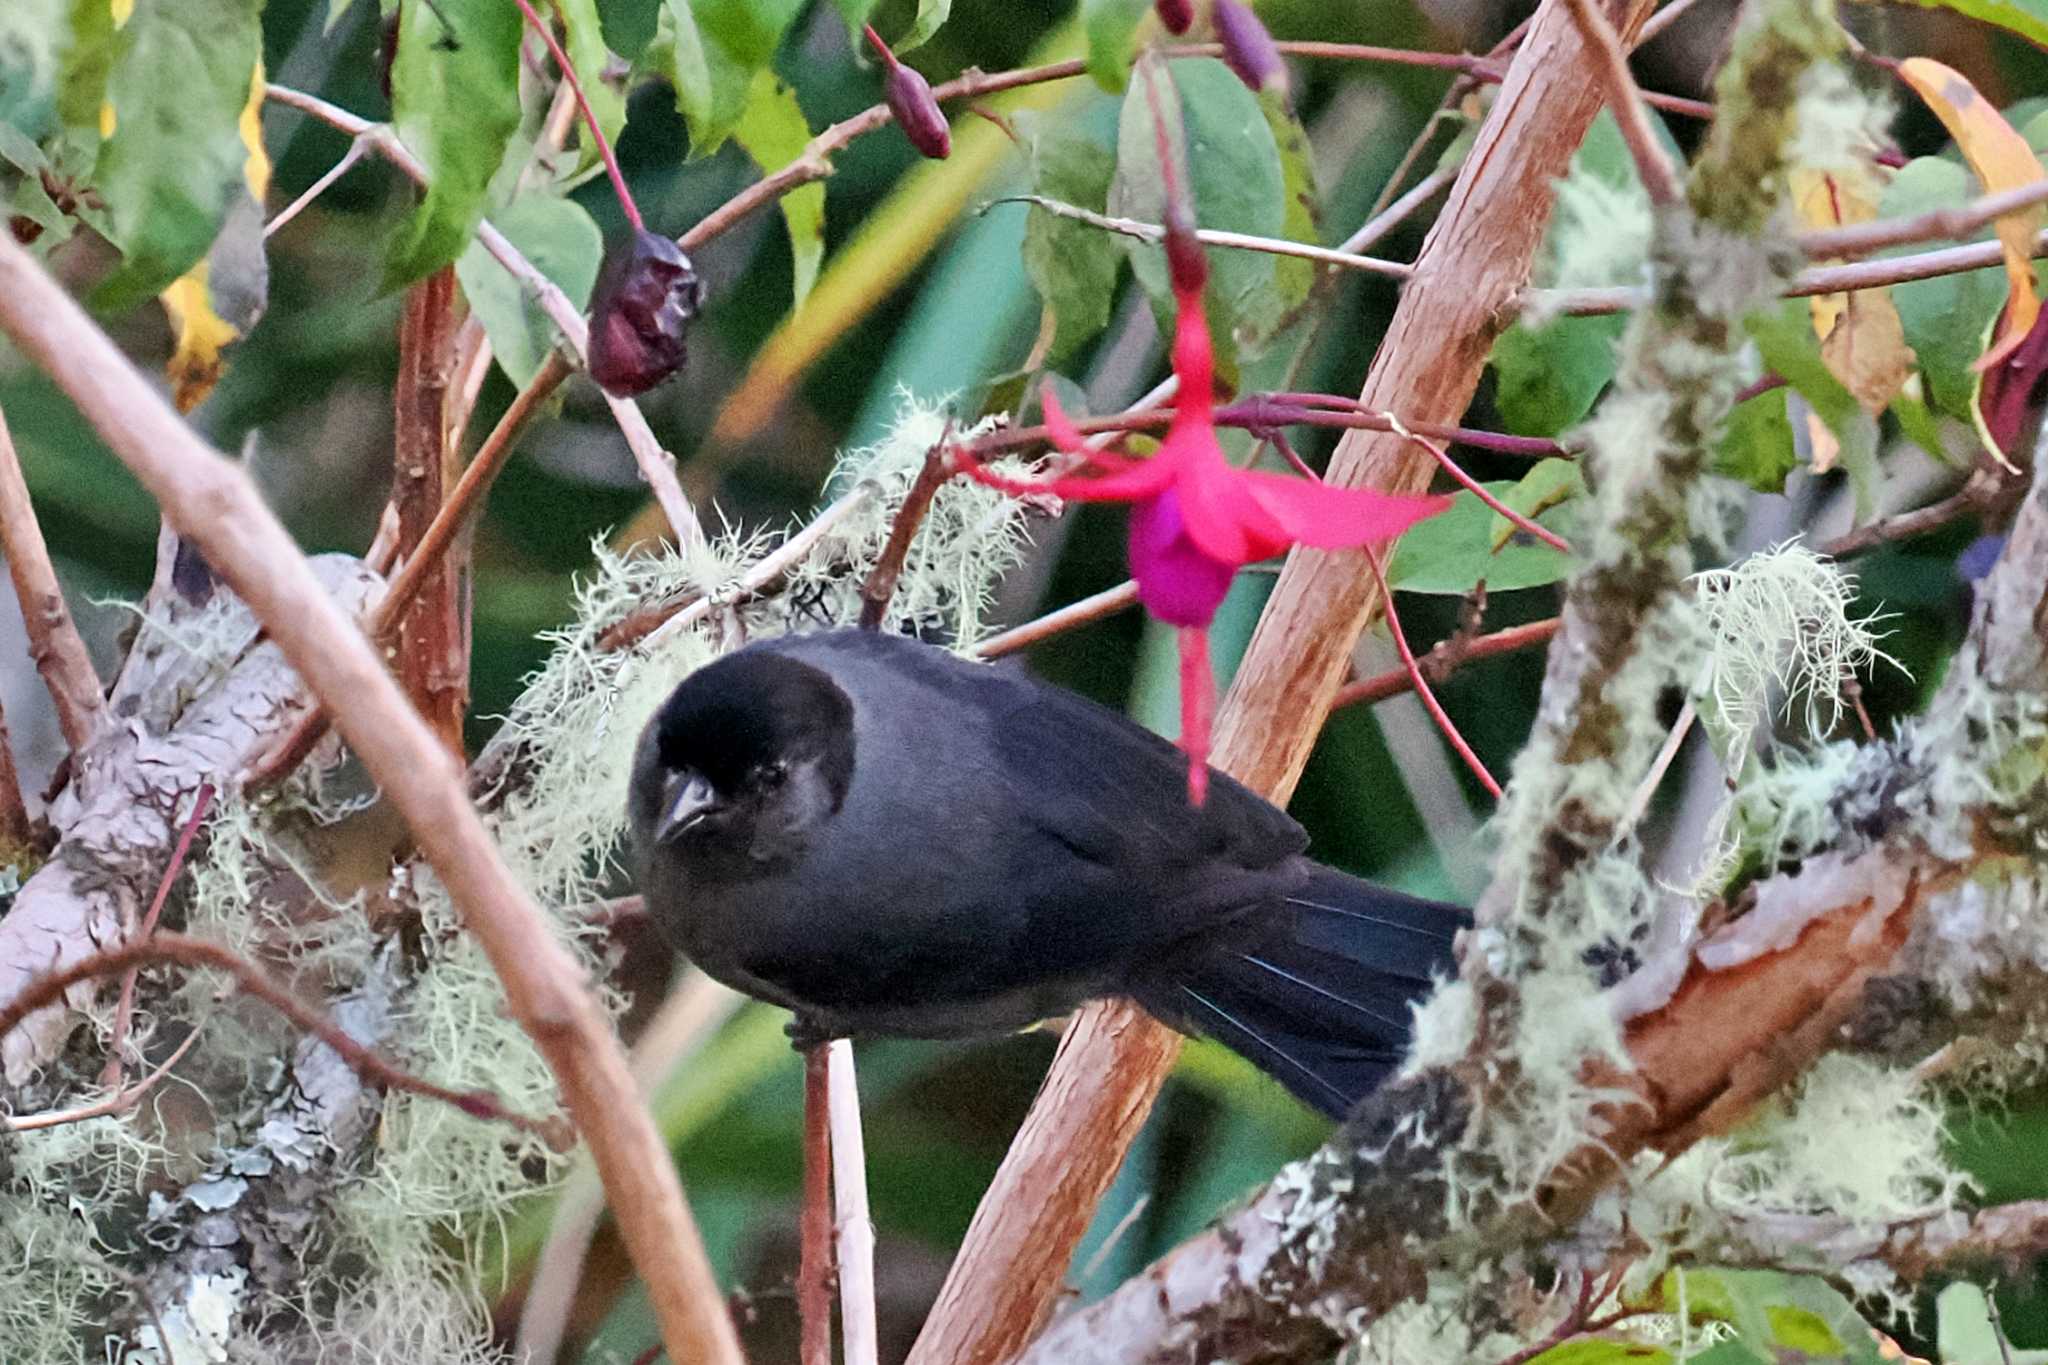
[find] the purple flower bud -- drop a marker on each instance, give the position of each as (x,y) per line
(1247,47)
(1177,15)
(909,97)
(640,314)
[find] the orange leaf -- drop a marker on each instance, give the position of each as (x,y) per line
(1862,341)
(2003,161)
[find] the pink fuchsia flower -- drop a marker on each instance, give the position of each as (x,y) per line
(1196,519)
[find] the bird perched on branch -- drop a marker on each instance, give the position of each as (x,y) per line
(890,840)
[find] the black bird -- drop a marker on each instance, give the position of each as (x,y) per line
(890,840)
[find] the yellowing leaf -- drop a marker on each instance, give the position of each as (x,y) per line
(1862,341)
(256,170)
(1827,448)
(2003,161)
(196,366)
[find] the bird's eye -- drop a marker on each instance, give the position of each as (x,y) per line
(772,775)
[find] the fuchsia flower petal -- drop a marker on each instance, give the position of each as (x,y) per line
(1177,581)
(1127,481)
(1315,513)
(1197,702)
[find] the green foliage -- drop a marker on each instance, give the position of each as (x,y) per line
(563,243)
(1948,318)
(1112,28)
(2027,18)
(772,129)
(176,153)
(1455,551)
(1238,185)
(455,102)
(1073,266)
(589,56)
(714,50)
(1784,334)
(930,14)
(1757,448)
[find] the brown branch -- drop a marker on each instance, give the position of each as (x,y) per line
(814,1259)
(455,516)
(186,951)
(53,641)
(656,465)
(432,657)
(16,829)
(125,1004)
(1112,1061)
(880,584)
(1445,658)
(120,1102)
(1108,602)
(1653,165)
(212,502)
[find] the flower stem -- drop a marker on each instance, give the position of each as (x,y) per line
(597,137)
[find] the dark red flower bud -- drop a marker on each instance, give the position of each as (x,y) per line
(640,314)
(1177,15)
(909,97)
(1247,47)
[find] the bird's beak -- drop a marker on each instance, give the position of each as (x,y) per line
(692,798)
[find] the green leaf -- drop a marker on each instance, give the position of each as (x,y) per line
(1756,447)
(2027,18)
(855,12)
(1453,552)
(1112,27)
(178,85)
(455,102)
(563,244)
(87,60)
(930,14)
(30,61)
(1966,1333)
(589,55)
(1549,483)
(773,130)
(1547,378)
(1946,319)
(1073,266)
(1238,186)
(1784,334)
(713,51)
(1301,221)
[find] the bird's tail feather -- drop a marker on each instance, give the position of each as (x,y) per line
(1319,995)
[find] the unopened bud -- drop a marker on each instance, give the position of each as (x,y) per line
(1247,47)
(1187,264)
(640,314)
(1177,15)
(909,97)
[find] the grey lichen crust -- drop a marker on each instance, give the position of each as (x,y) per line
(294,1213)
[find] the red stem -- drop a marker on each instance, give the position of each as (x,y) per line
(202,799)
(1197,700)
(814,1246)
(604,146)
(1436,710)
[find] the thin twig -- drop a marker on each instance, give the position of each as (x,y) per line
(597,137)
(1244,241)
(1421,684)
(880,584)
(814,1227)
(1663,19)
(125,1005)
(1393,215)
(1826,279)
(1982,492)
(1520,521)
(53,641)
(356,149)
(656,466)
(1857,239)
(49,988)
(1639,800)
(1440,661)
(850,1201)
(1094,607)
(212,502)
(1653,164)
(16,829)
(120,1102)
(454,517)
